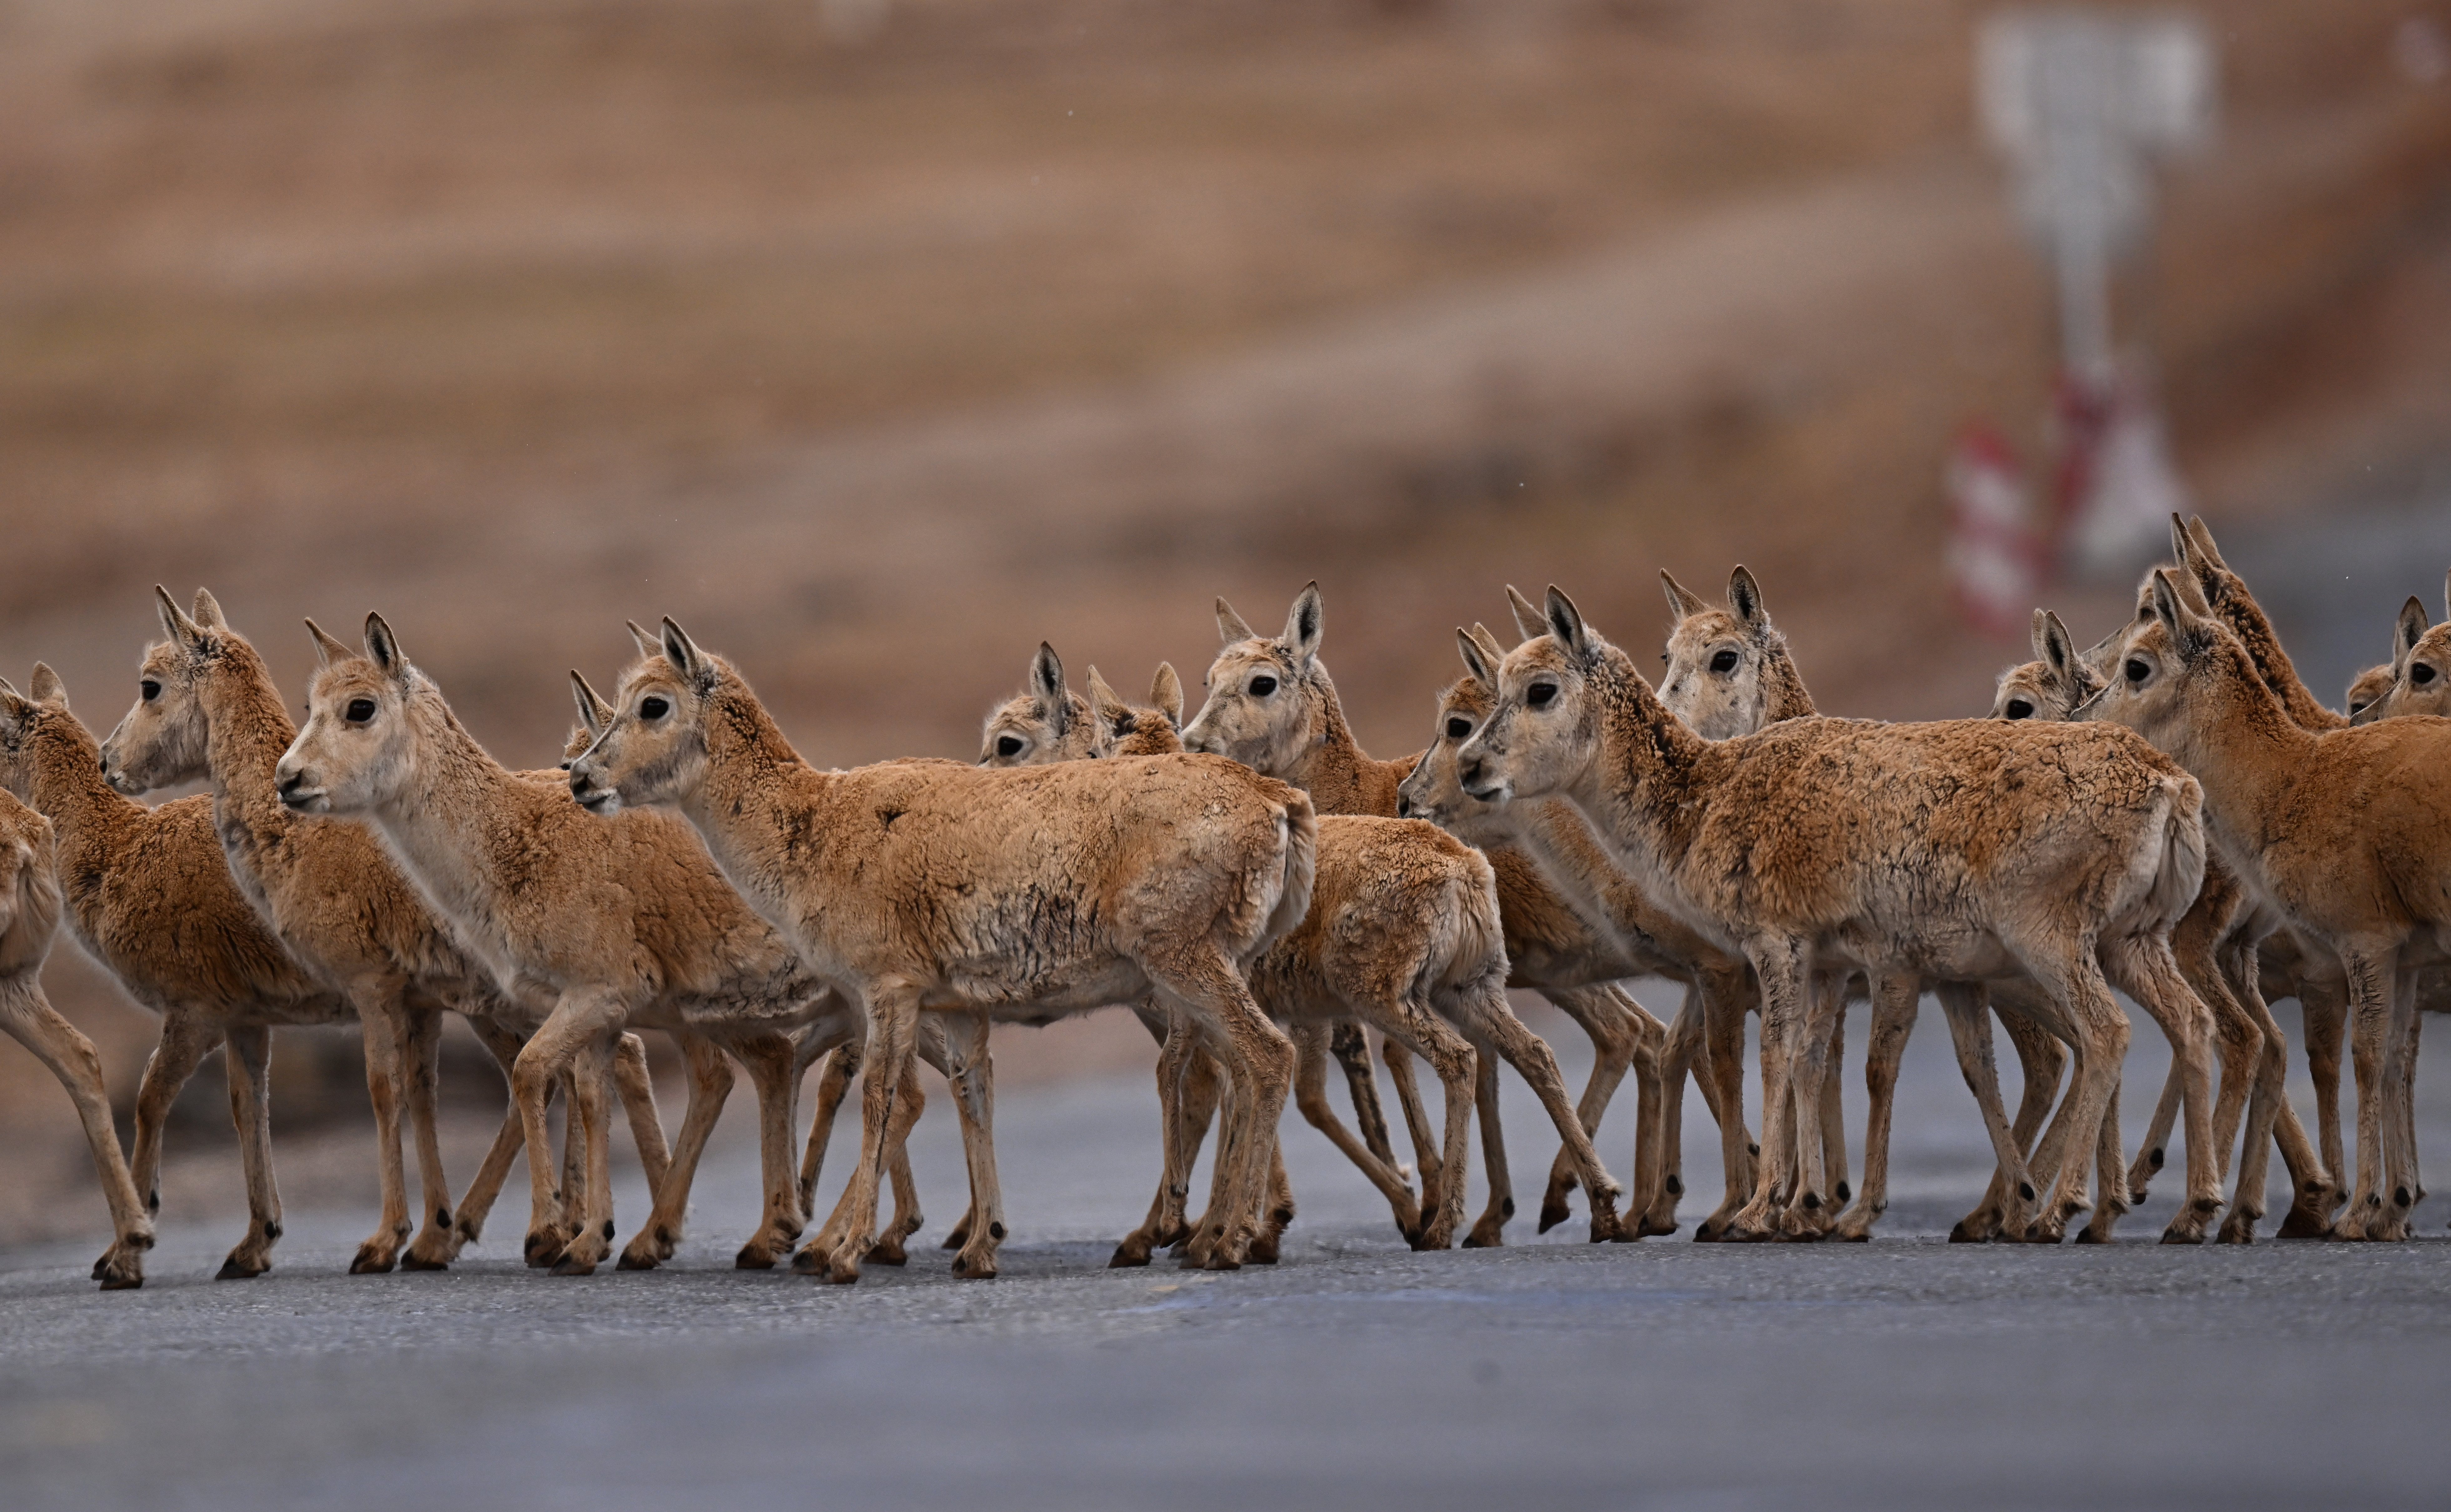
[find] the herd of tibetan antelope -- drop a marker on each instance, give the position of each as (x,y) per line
(2171,813)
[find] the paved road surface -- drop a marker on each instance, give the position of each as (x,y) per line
(1354,1374)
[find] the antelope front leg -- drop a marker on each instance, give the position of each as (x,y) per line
(478,1200)
(1834,1111)
(1894,1000)
(1607,1016)
(545,1061)
(1487,1230)
(382,1032)
(30,1019)
(1416,1121)
(638,1092)
(1310,1099)
(1351,1048)
(774,1073)
(1739,1152)
(1806,1215)
(2148,972)
(1530,1056)
(1186,1093)
(710,1077)
(246,1049)
(850,1231)
(420,1071)
(590,1127)
(972,1080)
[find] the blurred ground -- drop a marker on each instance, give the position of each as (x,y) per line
(1668,1374)
(876,359)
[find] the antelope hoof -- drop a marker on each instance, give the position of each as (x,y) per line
(2239,1228)
(242,1267)
(413,1261)
(373,1260)
(122,1266)
(888,1250)
(808,1262)
(1964,1233)
(542,1248)
(1487,1234)
(1130,1254)
(758,1254)
(2303,1222)
(976,1267)
(1263,1249)
(960,1236)
(1653,1226)
(2090,1234)
(1554,1209)
(636,1256)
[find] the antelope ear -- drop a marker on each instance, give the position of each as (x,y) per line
(2191,594)
(683,652)
(1744,596)
(2052,645)
(593,711)
(2180,545)
(175,623)
(327,651)
(383,648)
(1305,623)
(1681,603)
(1528,623)
(1476,661)
(646,642)
(1230,627)
(207,610)
(1047,688)
(2183,621)
(1566,623)
(1165,692)
(1490,650)
(2446,596)
(2411,629)
(2202,537)
(14,706)
(1117,714)
(46,688)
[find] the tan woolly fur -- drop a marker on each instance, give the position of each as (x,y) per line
(149,897)
(614,925)
(206,709)
(930,885)
(2340,831)
(1272,706)
(30,905)
(1958,852)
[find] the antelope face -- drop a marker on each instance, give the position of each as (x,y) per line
(160,741)
(1537,735)
(1434,789)
(651,747)
(1258,710)
(1027,731)
(2422,685)
(356,751)
(2026,691)
(1713,680)
(2366,691)
(2149,685)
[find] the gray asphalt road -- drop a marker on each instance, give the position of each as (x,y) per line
(1353,1374)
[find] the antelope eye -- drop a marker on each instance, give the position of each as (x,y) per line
(2019,708)
(653,707)
(1539,695)
(1262,687)
(360,710)
(1008,744)
(2136,669)
(151,689)
(1724,661)
(2419,673)
(1459,728)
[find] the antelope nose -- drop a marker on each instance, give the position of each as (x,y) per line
(292,783)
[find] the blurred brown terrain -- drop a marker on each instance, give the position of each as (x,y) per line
(877,355)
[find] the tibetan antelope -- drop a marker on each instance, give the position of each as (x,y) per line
(909,886)
(1958,852)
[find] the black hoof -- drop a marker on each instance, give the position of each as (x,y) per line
(232,1271)
(2089,1236)
(629,1262)
(752,1257)
(366,1265)
(568,1266)
(1127,1257)
(809,1263)
(113,1281)
(1960,1233)
(1553,1213)
(410,1262)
